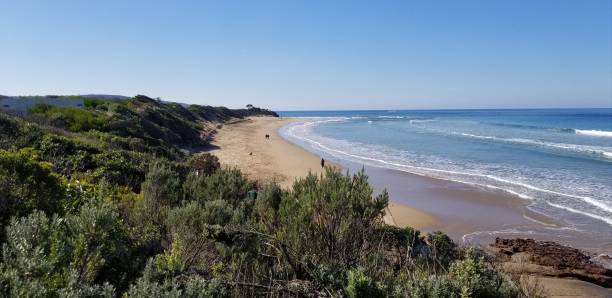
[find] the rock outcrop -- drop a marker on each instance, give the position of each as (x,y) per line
(547,258)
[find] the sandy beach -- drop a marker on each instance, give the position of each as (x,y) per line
(242,144)
(466,213)
(424,203)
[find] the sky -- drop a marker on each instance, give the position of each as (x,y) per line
(314,55)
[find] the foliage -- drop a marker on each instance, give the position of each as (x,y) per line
(204,163)
(329,218)
(361,285)
(225,184)
(110,203)
(27,184)
(48,256)
(72,118)
(475,278)
(443,248)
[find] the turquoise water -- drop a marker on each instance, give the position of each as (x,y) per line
(559,160)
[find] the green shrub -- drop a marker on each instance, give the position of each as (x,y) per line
(16,133)
(225,184)
(361,285)
(72,118)
(443,249)
(162,185)
(66,155)
(330,218)
(56,256)
(120,167)
(476,278)
(27,184)
(204,163)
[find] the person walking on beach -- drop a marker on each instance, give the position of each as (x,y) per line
(322,162)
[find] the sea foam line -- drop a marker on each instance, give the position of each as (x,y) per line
(585,199)
(568,147)
(595,133)
(594,216)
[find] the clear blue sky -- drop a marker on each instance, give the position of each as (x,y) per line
(314,54)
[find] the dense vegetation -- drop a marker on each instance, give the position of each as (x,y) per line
(103,201)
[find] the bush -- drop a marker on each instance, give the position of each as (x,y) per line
(475,278)
(120,167)
(330,219)
(225,184)
(204,163)
(74,119)
(27,184)
(189,226)
(361,285)
(443,249)
(162,185)
(67,156)
(55,256)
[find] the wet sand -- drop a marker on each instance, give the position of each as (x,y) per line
(474,215)
(464,212)
(243,145)
(467,213)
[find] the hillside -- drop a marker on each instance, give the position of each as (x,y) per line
(106,200)
(113,139)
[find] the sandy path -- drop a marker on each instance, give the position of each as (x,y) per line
(243,145)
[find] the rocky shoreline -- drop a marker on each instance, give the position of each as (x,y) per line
(550,259)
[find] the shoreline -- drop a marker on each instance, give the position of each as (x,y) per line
(242,144)
(467,213)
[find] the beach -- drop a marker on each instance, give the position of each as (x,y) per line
(467,213)
(242,144)
(423,203)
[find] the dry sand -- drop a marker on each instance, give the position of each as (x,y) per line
(242,144)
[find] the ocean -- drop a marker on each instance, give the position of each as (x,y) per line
(558,160)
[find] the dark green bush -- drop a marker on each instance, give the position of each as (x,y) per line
(443,249)
(204,163)
(27,184)
(53,256)
(361,285)
(225,184)
(329,218)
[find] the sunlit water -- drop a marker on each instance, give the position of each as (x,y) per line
(560,160)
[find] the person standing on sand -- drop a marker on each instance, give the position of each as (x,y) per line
(322,162)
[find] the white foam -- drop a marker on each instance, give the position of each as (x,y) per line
(404,167)
(572,210)
(413,121)
(595,133)
(601,151)
(466,239)
(390,117)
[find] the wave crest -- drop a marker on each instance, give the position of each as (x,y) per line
(594,133)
